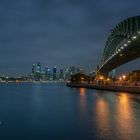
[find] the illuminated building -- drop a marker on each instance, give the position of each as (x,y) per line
(54,73)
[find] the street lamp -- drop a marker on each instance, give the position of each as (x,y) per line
(82,78)
(123,77)
(108,79)
(101,77)
(120,78)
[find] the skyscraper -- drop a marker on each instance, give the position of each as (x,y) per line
(48,73)
(61,74)
(72,70)
(33,71)
(38,67)
(38,72)
(54,73)
(66,74)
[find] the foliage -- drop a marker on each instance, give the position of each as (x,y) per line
(79,77)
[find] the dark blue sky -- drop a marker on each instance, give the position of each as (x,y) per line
(57,32)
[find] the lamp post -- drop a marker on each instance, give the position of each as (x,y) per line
(82,79)
(101,78)
(124,79)
(120,78)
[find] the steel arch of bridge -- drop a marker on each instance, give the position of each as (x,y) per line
(122,45)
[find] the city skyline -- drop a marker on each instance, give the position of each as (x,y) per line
(46,73)
(61,33)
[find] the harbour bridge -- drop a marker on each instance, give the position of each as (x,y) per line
(122,45)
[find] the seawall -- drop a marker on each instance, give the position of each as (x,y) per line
(131,89)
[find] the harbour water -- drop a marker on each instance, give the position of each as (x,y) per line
(47,111)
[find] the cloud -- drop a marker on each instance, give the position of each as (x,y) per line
(58,32)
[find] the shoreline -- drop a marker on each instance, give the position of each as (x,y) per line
(32,82)
(130,89)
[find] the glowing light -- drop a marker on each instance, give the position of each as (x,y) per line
(123,76)
(129,41)
(82,78)
(125,45)
(122,47)
(108,79)
(134,37)
(101,77)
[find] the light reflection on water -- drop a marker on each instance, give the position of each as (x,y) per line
(115,115)
(125,116)
(82,91)
(102,117)
(54,111)
(83,103)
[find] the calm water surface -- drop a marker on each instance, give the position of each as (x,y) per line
(56,112)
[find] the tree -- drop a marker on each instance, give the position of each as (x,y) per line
(79,77)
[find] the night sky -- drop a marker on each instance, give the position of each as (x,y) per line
(58,32)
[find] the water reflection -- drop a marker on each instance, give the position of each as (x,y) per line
(115,116)
(82,91)
(82,102)
(125,116)
(102,117)
(49,112)
(37,98)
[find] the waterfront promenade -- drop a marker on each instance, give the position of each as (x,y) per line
(118,88)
